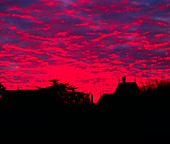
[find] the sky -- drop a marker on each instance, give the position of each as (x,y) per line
(87,43)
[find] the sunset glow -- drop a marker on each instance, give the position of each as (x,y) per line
(87,43)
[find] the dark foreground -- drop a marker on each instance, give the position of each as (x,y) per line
(121,118)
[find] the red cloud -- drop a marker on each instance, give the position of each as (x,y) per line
(90,44)
(161,35)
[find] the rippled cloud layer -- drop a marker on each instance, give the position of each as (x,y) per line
(89,43)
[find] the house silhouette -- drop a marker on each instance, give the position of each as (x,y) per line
(125,90)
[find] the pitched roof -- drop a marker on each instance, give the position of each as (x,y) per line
(125,89)
(129,89)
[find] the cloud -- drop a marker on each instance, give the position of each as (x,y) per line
(90,44)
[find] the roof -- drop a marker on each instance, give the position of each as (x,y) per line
(10,93)
(106,98)
(129,89)
(124,89)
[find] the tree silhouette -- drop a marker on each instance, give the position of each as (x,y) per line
(2,89)
(65,93)
(158,88)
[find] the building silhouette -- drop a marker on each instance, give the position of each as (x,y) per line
(21,97)
(127,88)
(124,90)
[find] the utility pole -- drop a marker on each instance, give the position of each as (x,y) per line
(91,98)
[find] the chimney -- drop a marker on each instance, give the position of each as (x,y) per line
(124,79)
(17,87)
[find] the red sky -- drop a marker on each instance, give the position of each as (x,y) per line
(88,43)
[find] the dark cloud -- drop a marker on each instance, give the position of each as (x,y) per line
(21,3)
